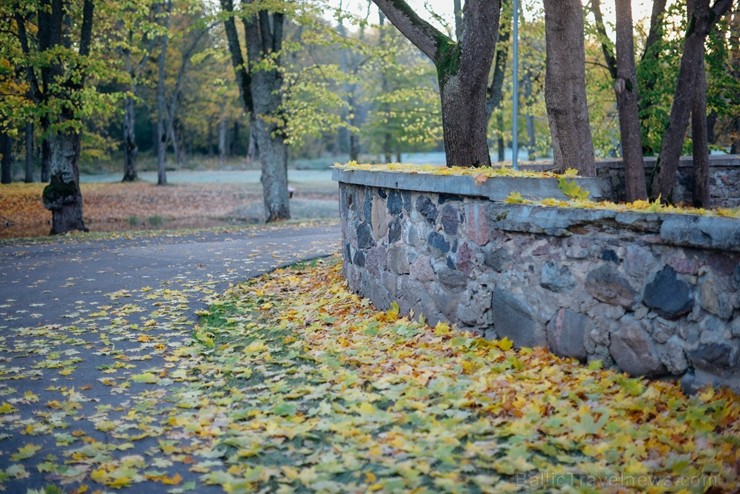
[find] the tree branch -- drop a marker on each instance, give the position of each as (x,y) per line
(606,47)
(422,34)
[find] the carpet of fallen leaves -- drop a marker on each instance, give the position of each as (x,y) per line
(119,206)
(291,383)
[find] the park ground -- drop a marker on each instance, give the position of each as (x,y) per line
(206,361)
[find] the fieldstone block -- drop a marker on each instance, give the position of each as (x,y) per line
(394,231)
(556,278)
(476,226)
(716,297)
(395,202)
(453,279)
(421,269)
(359,259)
(438,242)
(465,259)
(427,209)
(397,260)
(513,319)
(447,301)
(634,352)
(638,261)
(450,219)
(474,312)
(376,260)
(674,357)
(365,238)
(379,220)
(719,355)
(566,334)
(498,259)
(607,285)
(668,296)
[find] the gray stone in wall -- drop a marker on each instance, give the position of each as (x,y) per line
(634,352)
(421,269)
(702,231)
(438,242)
(513,319)
(716,297)
(668,296)
(556,277)
(720,355)
(427,209)
(607,285)
(394,231)
(365,238)
(663,330)
(450,219)
(395,203)
(452,279)
(397,260)
(566,334)
(638,261)
(367,206)
(465,259)
(498,259)
(672,355)
(359,259)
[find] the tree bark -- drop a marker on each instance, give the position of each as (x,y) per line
(700,141)
(701,20)
(30,154)
(565,87)
(606,46)
(264,35)
(161,101)
(625,86)
(6,149)
(494,94)
(462,70)
(130,149)
(63,196)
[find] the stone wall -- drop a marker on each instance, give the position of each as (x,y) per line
(653,295)
(724,177)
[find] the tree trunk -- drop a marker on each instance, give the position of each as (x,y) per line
(30,155)
(45,152)
(6,149)
(701,20)
(162,104)
(627,96)
(565,87)
(130,148)
(274,166)
(462,70)
(700,141)
(62,196)
(253,151)
(648,79)
(531,137)
(494,94)
(222,141)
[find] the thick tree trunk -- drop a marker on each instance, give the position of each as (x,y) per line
(627,97)
(6,149)
(30,155)
(531,136)
(253,151)
(130,149)
(274,166)
(700,141)
(565,87)
(462,70)
(62,196)
(701,20)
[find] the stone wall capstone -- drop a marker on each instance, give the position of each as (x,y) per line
(651,294)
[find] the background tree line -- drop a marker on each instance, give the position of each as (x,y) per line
(179,80)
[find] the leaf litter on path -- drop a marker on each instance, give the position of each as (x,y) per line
(292,383)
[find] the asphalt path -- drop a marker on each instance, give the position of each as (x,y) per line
(70,311)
